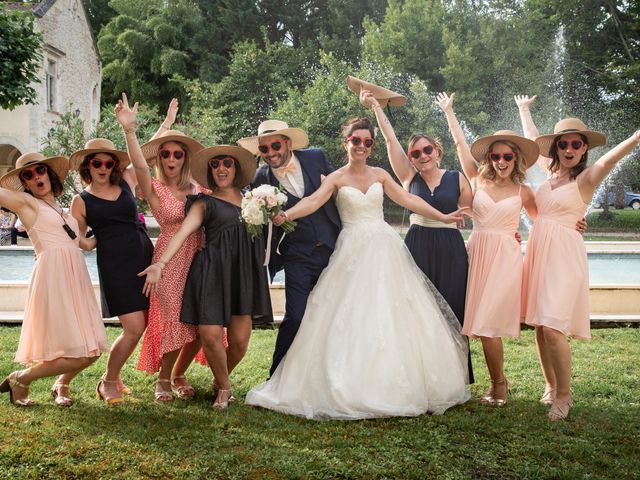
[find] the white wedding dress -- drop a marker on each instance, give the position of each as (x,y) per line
(377,339)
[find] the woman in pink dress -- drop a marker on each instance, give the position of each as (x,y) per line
(556,277)
(62,332)
(169,346)
(495,257)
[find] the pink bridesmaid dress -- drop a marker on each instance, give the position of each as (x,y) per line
(61,315)
(556,275)
(495,268)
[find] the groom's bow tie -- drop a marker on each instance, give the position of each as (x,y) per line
(288,168)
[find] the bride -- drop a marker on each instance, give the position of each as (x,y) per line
(377,339)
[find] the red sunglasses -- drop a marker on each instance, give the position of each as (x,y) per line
(575,144)
(368,142)
(275,146)
(227,162)
(96,163)
(177,154)
(495,157)
(29,174)
(428,150)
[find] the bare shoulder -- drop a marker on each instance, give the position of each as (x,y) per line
(380,174)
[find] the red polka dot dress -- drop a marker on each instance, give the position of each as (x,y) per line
(165,333)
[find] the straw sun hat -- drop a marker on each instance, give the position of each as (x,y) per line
(385,97)
(98,145)
(299,138)
(151,148)
(11,180)
(528,148)
(200,163)
(570,125)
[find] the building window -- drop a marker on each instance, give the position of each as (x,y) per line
(52,86)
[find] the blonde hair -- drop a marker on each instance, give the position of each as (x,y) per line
(184,182)
(487,173)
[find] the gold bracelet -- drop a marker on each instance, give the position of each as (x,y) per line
(163,126)
(158,263)
(127,131)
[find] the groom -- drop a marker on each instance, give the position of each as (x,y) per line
(305,252)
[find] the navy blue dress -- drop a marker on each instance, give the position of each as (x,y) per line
(123,251)
(440,252)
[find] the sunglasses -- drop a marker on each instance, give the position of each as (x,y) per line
(575,144)
(29,174)
(495,157)
(227,162)
(355,141)
(108,164)
(428,150)
(275,146)
(177,154)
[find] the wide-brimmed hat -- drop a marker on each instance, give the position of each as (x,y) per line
(299,138)
(98,145)
(200,163)
(528,148)
(570,125)
(11,180)
(151,148)
(384,96)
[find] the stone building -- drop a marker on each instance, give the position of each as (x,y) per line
(70,74)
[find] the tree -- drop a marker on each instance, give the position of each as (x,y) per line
(19,58)
(99,13)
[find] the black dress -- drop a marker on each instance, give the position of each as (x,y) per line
(440,252)
(123,251)
(227,277)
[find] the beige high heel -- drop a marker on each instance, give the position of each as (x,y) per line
(161,395)
(9,384)
(548,397)
(182,391)
(58,398)
(490,399)
(560,410)
(215,389)
(223,404)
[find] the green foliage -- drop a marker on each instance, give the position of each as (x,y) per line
(627,220)
(19,58)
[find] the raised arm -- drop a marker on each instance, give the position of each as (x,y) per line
(127,117)
(414,203)
(529,128)
(589,180)
(469,167)
(169,120)
(21,203)
(192,222)
(397,157)
(313,202)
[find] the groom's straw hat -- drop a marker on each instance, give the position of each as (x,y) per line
(299,138)
(384,96)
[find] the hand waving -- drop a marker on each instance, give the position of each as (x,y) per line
(444,101)
(172,112)
(524,100)
(127,117)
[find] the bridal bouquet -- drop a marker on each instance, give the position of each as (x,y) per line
(259,204)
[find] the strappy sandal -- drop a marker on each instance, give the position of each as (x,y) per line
(122,388)
(58,398)
(111,401)
(182,391)
(490,397)
(560,410)
(548,397)
(223,404)
(12,382)
(215,388)
(163,396)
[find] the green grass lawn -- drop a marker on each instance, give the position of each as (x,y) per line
(190,440)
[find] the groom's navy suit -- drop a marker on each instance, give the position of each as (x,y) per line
(305,252)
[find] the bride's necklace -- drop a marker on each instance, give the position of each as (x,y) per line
(66,226)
